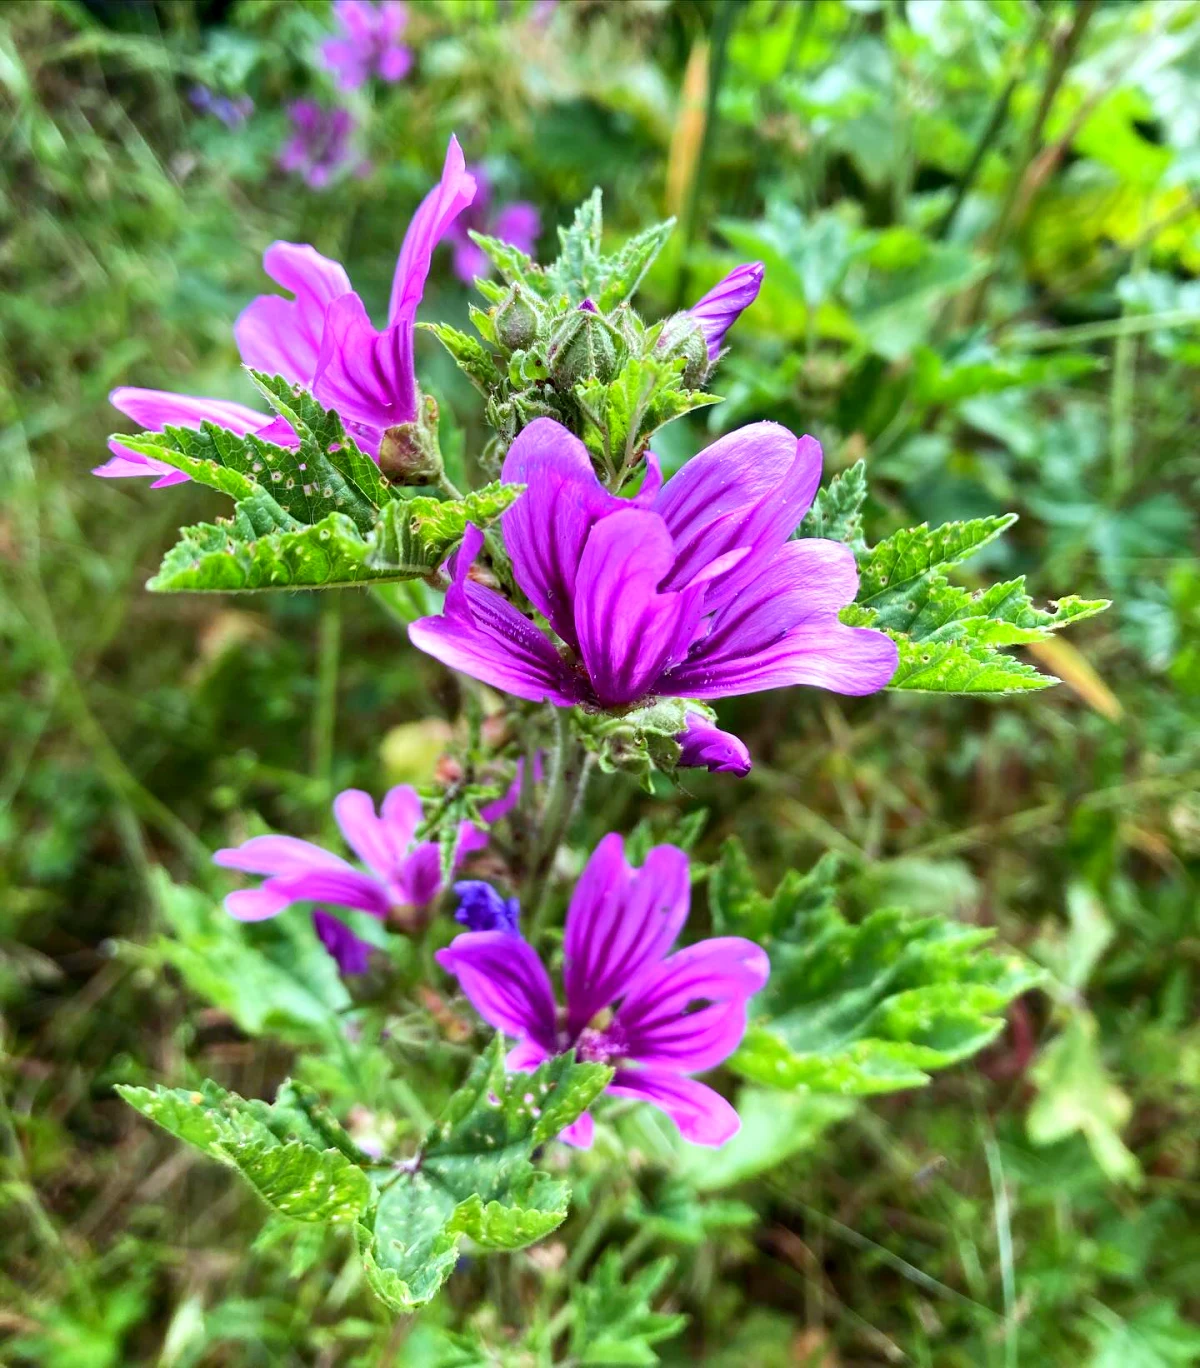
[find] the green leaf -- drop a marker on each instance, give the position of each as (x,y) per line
(470,356)
(272,978)
(623,273)
(612,1321)
(948,636)
(623,415)
(414,536)
(1076,1094)
(575,273)
(860,1008)
(212,558)
(281,1150)
(836,512)
(1155,1337)
(514,265)
(472,1176)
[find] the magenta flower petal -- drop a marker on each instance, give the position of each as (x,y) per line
(720,752)
(401,813)
(689,1010)
(124,462)
(471,262)
(395,62)
(420,880)
(342,887)
(283,336)
(505,982)
(546,530)
(436,213)
(157,409)
(365,834)
(720,308)
(581,1133)
(702,1115)
(352,953)
(367,375)
(343,57)
(257,904)
(620,920)
(629,631)
(748,489)
(277,855)
(483,635)
(525,1056)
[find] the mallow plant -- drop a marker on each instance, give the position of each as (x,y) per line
(598,614)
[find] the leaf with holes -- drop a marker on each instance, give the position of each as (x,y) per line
(836,512)
(859,1008)
(472,1176)
(292,1152)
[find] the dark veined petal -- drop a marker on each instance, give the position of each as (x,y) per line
(629,631)
(367,375)
(720,308)
(436,212)
(547,528)
(505,982)
(620,921)
(720,752)
(483,635)
(689,1010)
(702,1115)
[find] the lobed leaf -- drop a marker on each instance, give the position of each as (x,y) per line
(612,1319)
(470,356)
(862,1008)
(836,512)
(414,536)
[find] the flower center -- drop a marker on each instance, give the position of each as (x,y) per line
(598,1046)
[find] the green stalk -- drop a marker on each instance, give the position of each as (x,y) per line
(324,722)
(568,777)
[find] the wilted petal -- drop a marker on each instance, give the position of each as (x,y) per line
(689,1010)
(620,921)
(483,635)
(720,308)
(547,528)
(702,1115)
(436,212)
(352,953)
(283,336)
(505,982)
(628,630)
(720,752)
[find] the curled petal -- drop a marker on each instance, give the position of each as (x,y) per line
(720,752)
(368,376)
(436,212)
(483,635)
(702,1115)
(352,953)
(720,308)
(629,631)
(505,982)
(283,336)
(620,921)
(547,528)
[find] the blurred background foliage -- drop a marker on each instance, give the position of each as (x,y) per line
(981,226)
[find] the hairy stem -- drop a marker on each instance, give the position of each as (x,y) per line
(568,778)
(324,722)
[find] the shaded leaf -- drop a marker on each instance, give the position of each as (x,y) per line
(612,1320)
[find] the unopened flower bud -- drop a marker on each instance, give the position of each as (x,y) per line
(516,320)
(584,346)
(409,453)
(683,336)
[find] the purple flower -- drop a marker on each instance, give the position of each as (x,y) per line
(691,590)
(720,308)
(720,752)
(655,1017)
(481,908)
(519,224)
(320,143)
(352,953)
(369,42)
(317,339)
(232,112)
(400,872)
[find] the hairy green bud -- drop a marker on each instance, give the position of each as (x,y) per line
(583,346)
(517,320)
(410,453)
(682,336)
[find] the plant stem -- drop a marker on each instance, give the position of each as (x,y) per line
(568,776)
(324,722)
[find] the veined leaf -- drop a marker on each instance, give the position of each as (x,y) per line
(836,512)
(283,1150)
(414,536)
(470,355)
(575,273)
(515,266)
(898,565)
(472,1176)
(623,272)
(860,1008)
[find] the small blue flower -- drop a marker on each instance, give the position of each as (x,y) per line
(481,908)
